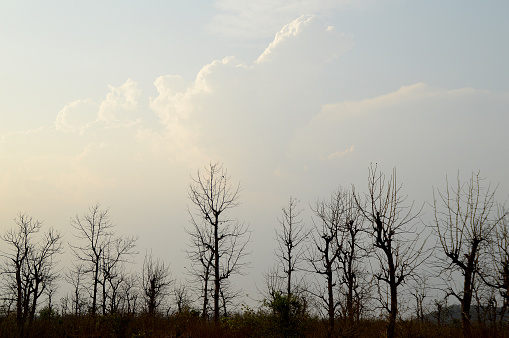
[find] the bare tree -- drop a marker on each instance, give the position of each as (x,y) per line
(326,252)
(223,238)
(290,235)
(101,251)
(464,219)
(397,247)
(75,277)
(419,292)
(128,294)
(115,255)
(156,282)
(29,265)
(94,228)
(499,258)
(352,276)
(201,258)
(181,296)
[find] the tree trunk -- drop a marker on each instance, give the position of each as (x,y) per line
(216,271)
(391,327)
(330,332)
(94,294)
(465,305)
(205,295)
(351,281)
(289,282)
(19,296)
(104,295)
(34,303)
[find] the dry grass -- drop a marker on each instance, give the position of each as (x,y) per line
(248,324)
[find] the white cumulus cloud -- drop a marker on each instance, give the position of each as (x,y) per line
(242,111)
(120,103)
(261,18)
(76,115)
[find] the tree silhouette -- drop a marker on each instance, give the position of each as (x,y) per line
(326,250)
(465,217)
(29,266)
(213,233)
(156,282)
(290,236)
(102,252)
(397,247)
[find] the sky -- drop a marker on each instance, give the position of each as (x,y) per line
(121,102)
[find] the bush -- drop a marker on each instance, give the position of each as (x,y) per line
(47,313)
(289,313)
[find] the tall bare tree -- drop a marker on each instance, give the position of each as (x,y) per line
(201,258)
(29,265)
(398,248)
(101,251)
(213,196)
(75,277)
(116,254)
(465,216)
(326,250)
(352,276)
(290,236)
(499,259)
(94,228)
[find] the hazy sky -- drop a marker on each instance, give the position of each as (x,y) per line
(120,102)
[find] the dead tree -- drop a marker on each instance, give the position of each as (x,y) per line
(181,297)
(94,228)
(290,236)
(100,251)
(29,265)
(201,258)
(352,276)
(499,258)
(129,294)
(115,255)
(397,247)
(326,250)
(156,282)
(465,217)
(213,196)
(419,292)
(75,277)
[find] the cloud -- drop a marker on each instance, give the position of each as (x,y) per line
(242,114)
(118,107)
(76,115)
(120,103)
(290,30)
(261,18)
(417,125)
(339,154)
(266,120)
(238,110)
(298,41)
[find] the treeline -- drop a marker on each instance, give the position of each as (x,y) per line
(353,271)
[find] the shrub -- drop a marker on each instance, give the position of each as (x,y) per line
(288,313)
